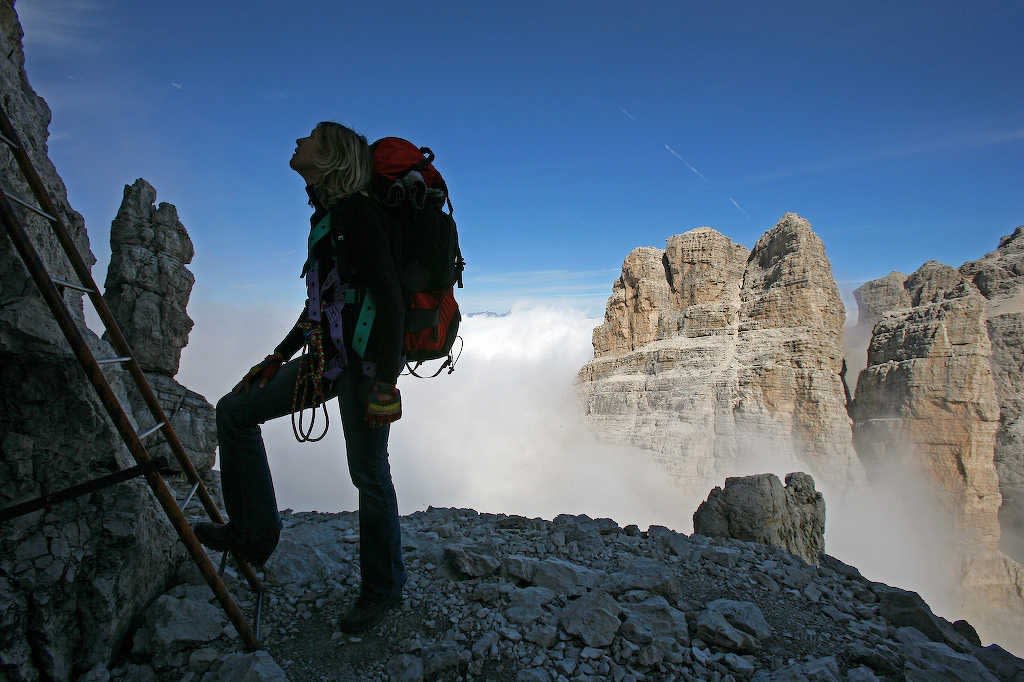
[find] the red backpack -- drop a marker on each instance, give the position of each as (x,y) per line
(426,244)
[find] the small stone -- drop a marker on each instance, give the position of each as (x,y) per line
(510,634)
(543,635)
(812,592)
(200,659)
(482,646)
(740,664)
(256,666)
(469,562)
(440,657)
(405,668)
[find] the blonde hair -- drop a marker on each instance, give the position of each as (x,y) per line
(344,162)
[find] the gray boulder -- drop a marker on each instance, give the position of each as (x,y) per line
(564,577)
(652,618)
(759,509)
(594,618)
(174,625)
(733,625)
(928,660)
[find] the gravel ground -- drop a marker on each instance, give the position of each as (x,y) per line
(501,597)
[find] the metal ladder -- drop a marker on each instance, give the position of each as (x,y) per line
(51,289)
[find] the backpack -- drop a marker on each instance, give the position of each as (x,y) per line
(427,250)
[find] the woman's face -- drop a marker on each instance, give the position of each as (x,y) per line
(306,149)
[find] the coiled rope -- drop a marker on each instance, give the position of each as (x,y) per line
(309,388)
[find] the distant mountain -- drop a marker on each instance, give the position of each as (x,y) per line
(488,313)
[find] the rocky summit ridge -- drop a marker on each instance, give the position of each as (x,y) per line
(505,597)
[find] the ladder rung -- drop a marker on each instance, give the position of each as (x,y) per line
(9,143)
(72,492)
(151,431)
(259,612)
(71,285)
(189,498)
(29,206)
(113,361)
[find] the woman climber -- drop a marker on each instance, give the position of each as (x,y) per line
(351,331)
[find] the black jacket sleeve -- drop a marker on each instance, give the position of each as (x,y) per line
(293,341)
(369,242)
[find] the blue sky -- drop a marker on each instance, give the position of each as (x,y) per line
(568,133)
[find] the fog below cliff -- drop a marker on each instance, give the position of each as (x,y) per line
(500,434)
(504,433)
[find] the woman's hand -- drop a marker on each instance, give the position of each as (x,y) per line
(261,372)
(383,405)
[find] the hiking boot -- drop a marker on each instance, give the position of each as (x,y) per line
(222,537)
(215,536)
(367,612)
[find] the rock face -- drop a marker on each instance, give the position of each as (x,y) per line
(990,292)
(573,598)
(147,289)
(689,289)
(879,296)
(928,394)
(874,299)
(759,509)
(709,354)
(1006,334)
(999,277)
(942,390)
(73,577)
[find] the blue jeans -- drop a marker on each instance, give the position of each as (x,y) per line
(249,489)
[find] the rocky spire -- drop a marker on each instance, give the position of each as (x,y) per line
(148,285)
(710,353)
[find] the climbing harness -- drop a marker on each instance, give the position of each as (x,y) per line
(326,301)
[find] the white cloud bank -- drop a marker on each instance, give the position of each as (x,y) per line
(503,433)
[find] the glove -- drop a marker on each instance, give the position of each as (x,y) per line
(383,405)
(261,372)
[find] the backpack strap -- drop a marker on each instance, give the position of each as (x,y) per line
(316,233)
(368,311)
(448,361)
(364,324)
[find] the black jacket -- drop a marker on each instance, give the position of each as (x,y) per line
(365,256)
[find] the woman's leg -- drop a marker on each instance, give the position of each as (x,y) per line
(380,541)
(245,472)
